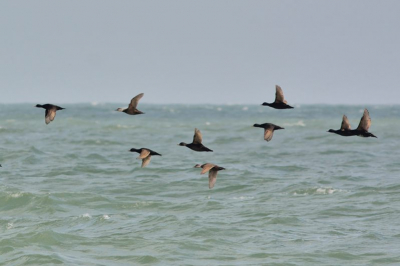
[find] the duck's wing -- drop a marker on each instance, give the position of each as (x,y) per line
(279,98)
(212,178)
(197,138)
(268,133)
(365,121)
(135,101)
(50,114)
(146,161)
(345,124)
(144,154)
(206,167)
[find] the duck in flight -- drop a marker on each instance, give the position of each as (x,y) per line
(268,130)
(131,110)
(196,145)
(361,131)
(280,102)
(213,171)
(145,155)
(50,111)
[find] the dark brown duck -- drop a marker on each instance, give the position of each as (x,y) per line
(268,130)
(196,145)
(145,155)
(213,171)
(132,110)
(361,131)
(50,113)
(280,102)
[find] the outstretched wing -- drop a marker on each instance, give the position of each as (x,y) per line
(268,132)
(197,138)
(146,161)
(206,167)
(50,114)
(135,101)
(345,124)
(212,178)
(144,154)
(365,121)
(279,98)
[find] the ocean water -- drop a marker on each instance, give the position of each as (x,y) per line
(71,193)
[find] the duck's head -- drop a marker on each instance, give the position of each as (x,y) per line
(197,166)
(257,125)
(265,104)
(371,135)
(60,108)
(331,131)
(134,150)
(38,105)
(278,127)
(182,144)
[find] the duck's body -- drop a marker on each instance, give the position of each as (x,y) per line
(268,130)
(132,110)
(196,145)
(361,131)
(280,102)
(145,155)
(51,110)
(213,171)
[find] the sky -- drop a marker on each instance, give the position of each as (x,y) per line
(184,51)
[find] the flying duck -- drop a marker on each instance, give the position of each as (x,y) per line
(212,175)
(131,110)
(280,102)
(196,144)
(361,131)
(50,111)
(145,155)
(268,130)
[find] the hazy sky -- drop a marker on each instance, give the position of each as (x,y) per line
(200,51)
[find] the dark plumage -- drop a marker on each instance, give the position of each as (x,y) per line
(50,111)
(131,110)
(268,130)
(196,145)
(212,175)
(145,155)
(280,102)
(361,131)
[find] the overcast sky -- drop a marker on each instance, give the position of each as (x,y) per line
(338,52)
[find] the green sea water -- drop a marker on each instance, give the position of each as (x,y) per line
(72,194)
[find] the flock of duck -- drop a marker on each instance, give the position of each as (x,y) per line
(196,145)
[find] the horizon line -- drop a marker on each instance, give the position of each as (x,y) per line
(94,103)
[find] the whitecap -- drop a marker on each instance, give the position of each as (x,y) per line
(9,226)
(208,123)
(245,108)
(219,109)
(299,123)
(122,126)
(243,198)
(106,217)
(16,195)
(86,215)
(325,191)
(94,103)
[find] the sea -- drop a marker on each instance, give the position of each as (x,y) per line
(71,192)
